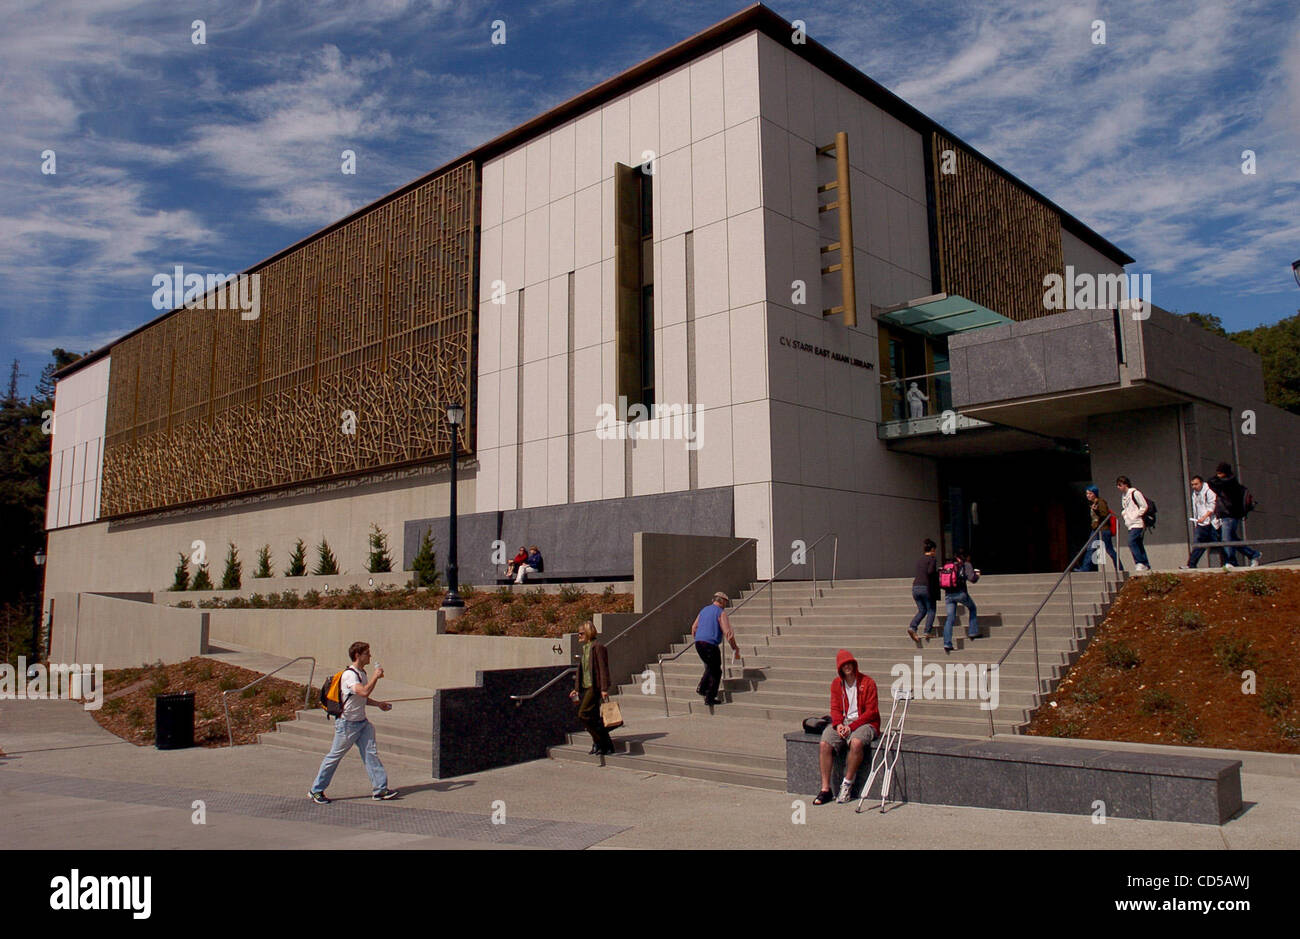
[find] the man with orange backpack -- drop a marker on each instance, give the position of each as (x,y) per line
(344,696)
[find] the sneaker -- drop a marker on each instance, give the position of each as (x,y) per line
(318,797)
(1254,562)
(1229,567)
(1141,567)
(384,794)
(1183,567)
(845,788)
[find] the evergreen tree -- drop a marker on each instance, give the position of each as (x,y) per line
(425,563)
(263,562)
(380,560)
(297,561)
(181,578)
(230,578)
(201,580)
(326,563)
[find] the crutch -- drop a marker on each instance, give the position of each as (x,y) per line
(881,759)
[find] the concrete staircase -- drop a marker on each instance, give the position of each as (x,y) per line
(785,672)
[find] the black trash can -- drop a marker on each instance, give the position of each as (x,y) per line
(174,721)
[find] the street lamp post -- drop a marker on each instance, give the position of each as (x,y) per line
(36,609)
(452,601)
(1295,269)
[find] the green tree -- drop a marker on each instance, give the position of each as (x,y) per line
(263,562)
(201,579)
(326,563)
(425,563)
(232,575)
(380,561)
(181,577)
(297,560)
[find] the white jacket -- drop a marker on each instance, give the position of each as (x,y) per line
(1202,502)
(1132,506)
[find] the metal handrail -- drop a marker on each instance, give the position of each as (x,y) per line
(835,560)
(519,699)
(885,380)
(770,607)
(1094,537)
(225,704)
(644,616)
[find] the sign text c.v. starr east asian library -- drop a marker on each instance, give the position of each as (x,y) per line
(824,352)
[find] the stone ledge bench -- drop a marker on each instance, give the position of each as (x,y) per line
(1032,777)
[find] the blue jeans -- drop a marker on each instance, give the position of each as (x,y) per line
(347,733)
(1135,546)
(1232,532)
(1089,556)
(1205,534)
(924,605)
(972,629)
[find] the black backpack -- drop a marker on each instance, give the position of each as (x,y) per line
(1149,516)
(815,725)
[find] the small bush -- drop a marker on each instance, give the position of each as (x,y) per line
(228,683)
(276,697)
(135,716)
(534,630)
(1187,730)
(207,714)
(1085,692)
(494,628)
(297,561)
(570,593)
(231,577)
(203,671)
(1157,585)
(1120,655)
(249,693)
(551,615)
(425,563)
(310,599)
(1257,583)
(263,562)
(201,580)
(1235,653)
(468,591)
(181,576)
(379,560)
(1181,617)
(1274,697)
(1155,700)
(184,605)
(533,597)
(112,707)
(326,563)
(257,601)
(608,592)
(504,594)
(1067,729)
(1288,730)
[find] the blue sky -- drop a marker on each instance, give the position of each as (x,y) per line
(215,156)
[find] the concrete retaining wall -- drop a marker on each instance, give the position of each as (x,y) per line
(408,643)
(118,632)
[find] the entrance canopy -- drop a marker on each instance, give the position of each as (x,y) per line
(941,315)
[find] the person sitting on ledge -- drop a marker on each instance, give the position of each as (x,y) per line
(855,722)
(533,564)
(513,567)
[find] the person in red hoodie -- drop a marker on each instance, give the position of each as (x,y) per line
(855,722)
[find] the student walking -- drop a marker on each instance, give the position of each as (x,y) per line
(1234,504)
(925,591)
(1205,517)
(591,689)
(1133,507)
(708,630)
(953,577)
(1098,514)
(352,728)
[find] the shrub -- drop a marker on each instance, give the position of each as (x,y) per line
(425,563)
(468,592)
(1187,730)
(1157,585)
(534,630)
(494,628)
(257,601)
(504,594)
(1120,655)
(207,714)
(249,693)
(1181,617)
(608,592)
(1085,692)
(570,593)
(113,706)
(551,615)
(297,561)
(203,671)
(184,605)
(1067,729)
(1274,697)
(326,563)
(1257,583)
(263,562)
(181,576)
(276,696)
(1288,730)
(232,575)
(379,561)
(135,716)
(1155,700)
(310,599)
(228,683)
(201,580)
(1235,653)
(535,596)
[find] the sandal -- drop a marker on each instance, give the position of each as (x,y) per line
(823,797)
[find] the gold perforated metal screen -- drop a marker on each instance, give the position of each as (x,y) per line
(996,242)
(373,318)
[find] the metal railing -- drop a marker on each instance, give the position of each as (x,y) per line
(771,604)
(306,696)
(1094,538)
(519,699)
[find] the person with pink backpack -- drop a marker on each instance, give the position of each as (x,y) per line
(954,575)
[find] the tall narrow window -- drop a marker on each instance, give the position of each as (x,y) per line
(634,284)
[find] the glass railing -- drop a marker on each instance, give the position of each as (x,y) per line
(915,396)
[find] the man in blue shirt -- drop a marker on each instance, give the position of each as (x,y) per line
(709,629)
